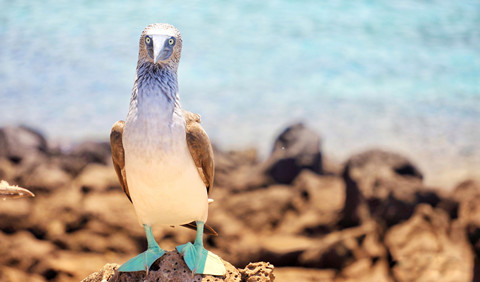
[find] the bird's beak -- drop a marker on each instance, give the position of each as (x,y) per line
(161,49)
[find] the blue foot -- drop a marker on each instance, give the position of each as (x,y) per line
(143,261)
(199,260)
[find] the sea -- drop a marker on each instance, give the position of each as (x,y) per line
(400,75)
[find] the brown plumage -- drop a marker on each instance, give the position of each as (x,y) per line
(198,145)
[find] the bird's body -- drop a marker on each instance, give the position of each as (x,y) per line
(164,183)
(162,155)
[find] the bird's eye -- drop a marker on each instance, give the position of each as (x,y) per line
(148,40)
(171,41)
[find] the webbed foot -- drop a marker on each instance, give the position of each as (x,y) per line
(143,261)
(199,260)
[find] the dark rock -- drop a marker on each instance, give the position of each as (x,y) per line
(388,184)
(17,143)
(295,149)
(369,168)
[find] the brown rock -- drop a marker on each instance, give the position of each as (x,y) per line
(467,194)
(171,267)
(304,274)
(45,178)
(238,170)
(23,250)
(314,215)
(262,209)
(98,178)
(257,271)
(429,247)
(366,270)
(340,249)
(93,152)
(9,274)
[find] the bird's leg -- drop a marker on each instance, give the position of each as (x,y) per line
(143,261)
(199,260)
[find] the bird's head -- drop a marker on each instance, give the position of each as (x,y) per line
(160,43)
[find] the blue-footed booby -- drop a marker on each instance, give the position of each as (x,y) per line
(162,155)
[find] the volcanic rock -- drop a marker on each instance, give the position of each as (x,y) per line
(171,267)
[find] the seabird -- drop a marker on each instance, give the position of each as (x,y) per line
(162,155)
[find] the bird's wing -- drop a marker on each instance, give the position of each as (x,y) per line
(202,153)
(118,155)
(200,148)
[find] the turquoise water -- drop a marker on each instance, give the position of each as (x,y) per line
(402,75)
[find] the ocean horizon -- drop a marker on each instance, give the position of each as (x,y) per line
(403,76)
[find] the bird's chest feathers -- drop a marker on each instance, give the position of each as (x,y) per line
(154,130)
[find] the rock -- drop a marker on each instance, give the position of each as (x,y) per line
(262,209)
(284,250)
(429,247)
(467,195)
(318,201)
(23,251)
(362,224)
(366,270)
(45,178)
(13,214)
(339,249)
(295,149)
(18,142)
(93,152)
(304,274)
(258,271)
(369,167)
(385,185)
(97,177)
(104,274)
(171,267)
(238,170)
(9,274)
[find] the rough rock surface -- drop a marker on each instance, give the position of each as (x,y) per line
(295,149)
(171,267)
(345,226)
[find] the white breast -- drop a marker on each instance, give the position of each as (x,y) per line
(162,179)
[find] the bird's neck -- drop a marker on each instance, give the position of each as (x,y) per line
(155,88)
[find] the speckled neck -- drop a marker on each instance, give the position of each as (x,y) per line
(155,81)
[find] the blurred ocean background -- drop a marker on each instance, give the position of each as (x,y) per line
(400,75)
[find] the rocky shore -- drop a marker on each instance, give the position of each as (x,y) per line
(368,219)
